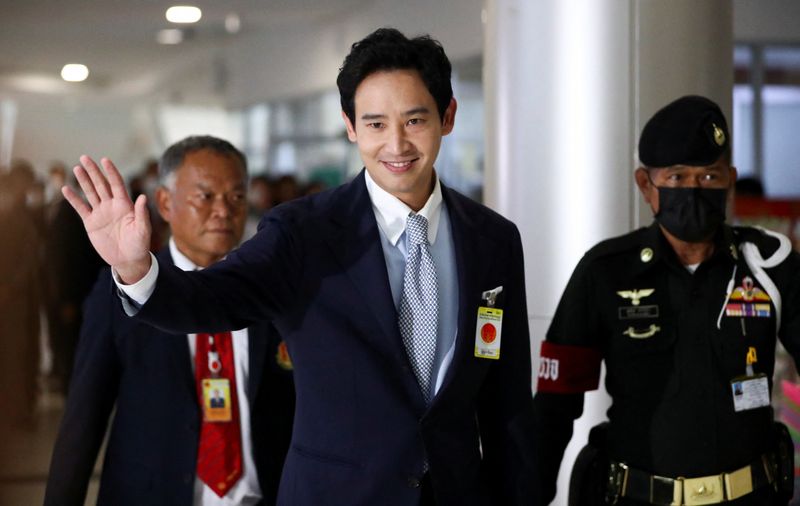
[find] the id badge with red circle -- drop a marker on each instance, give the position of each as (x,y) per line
(488,332)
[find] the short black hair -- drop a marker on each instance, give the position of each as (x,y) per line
(173,157)
(389,49)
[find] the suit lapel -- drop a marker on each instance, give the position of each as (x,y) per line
(469,245)
(178,347)
(355,241)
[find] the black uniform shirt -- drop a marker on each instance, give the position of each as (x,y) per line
(669,367)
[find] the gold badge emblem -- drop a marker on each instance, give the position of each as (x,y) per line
(636,295)
(282,357)
(642,334)
(719,135)
(646,255)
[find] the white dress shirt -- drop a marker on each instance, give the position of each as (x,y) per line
(391,214)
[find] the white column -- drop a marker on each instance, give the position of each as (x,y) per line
(568,85)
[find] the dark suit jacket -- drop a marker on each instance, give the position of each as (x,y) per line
(362,430)
(152,446)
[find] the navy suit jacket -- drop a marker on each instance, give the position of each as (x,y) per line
(147,374)
(362,430)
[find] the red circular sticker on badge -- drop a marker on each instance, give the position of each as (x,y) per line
(488,333)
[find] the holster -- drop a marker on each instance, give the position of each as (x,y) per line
(588,482)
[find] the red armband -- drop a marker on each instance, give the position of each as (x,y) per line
(568,369)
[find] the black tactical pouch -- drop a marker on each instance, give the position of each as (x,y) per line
(784,462)
(588,483)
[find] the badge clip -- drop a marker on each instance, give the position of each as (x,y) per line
(490,296)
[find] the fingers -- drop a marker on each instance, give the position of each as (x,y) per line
(115,179)
(86,186)
(98,179)
(140,209)
(141,215)
(76,202)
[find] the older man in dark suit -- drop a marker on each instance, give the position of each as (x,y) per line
(401,301)
(178,400)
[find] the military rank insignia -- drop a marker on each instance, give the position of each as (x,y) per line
(637,310)
(748,300)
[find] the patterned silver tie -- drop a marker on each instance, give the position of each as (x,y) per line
(419,307)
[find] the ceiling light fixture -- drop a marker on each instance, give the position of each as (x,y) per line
(233,23)
(170,36)
(74,72)
(184,14)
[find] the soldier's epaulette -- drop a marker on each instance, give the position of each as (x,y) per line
(632,241)
(767,245)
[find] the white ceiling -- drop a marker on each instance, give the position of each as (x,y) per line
(116,39)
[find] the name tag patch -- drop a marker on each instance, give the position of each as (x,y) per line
(636,312)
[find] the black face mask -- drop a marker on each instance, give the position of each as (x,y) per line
(691,214)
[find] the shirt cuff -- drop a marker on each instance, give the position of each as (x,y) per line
(134,296)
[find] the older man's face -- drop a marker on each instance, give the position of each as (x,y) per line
(207,208)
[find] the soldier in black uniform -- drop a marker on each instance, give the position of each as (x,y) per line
(685,313)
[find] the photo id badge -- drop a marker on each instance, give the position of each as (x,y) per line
(487,332)
(216,400)
(750,392)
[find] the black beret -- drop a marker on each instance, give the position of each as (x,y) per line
(689,131)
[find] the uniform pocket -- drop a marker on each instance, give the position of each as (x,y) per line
(641,359)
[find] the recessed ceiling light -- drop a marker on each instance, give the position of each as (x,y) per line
(170,36)
(74,72)
(184,14)
(233,23)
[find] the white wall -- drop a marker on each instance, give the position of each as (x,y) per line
(62,128)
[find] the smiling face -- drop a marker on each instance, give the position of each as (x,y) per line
(207,207)
(399,131)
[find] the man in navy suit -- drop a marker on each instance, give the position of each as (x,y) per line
(385,416)
(153,448)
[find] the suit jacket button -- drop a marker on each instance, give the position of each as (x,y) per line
(413,482)
(187,478)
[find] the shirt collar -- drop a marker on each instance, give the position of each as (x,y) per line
(391,212)
(660,249)
(179,259)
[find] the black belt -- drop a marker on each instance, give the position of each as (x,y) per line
(624,481)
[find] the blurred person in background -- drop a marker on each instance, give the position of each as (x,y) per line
(286,189)
(72,267)
(19,300)
(260,196)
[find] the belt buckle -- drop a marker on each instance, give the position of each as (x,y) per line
(703,490)
(677,489)
(617,482)
(739,483)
